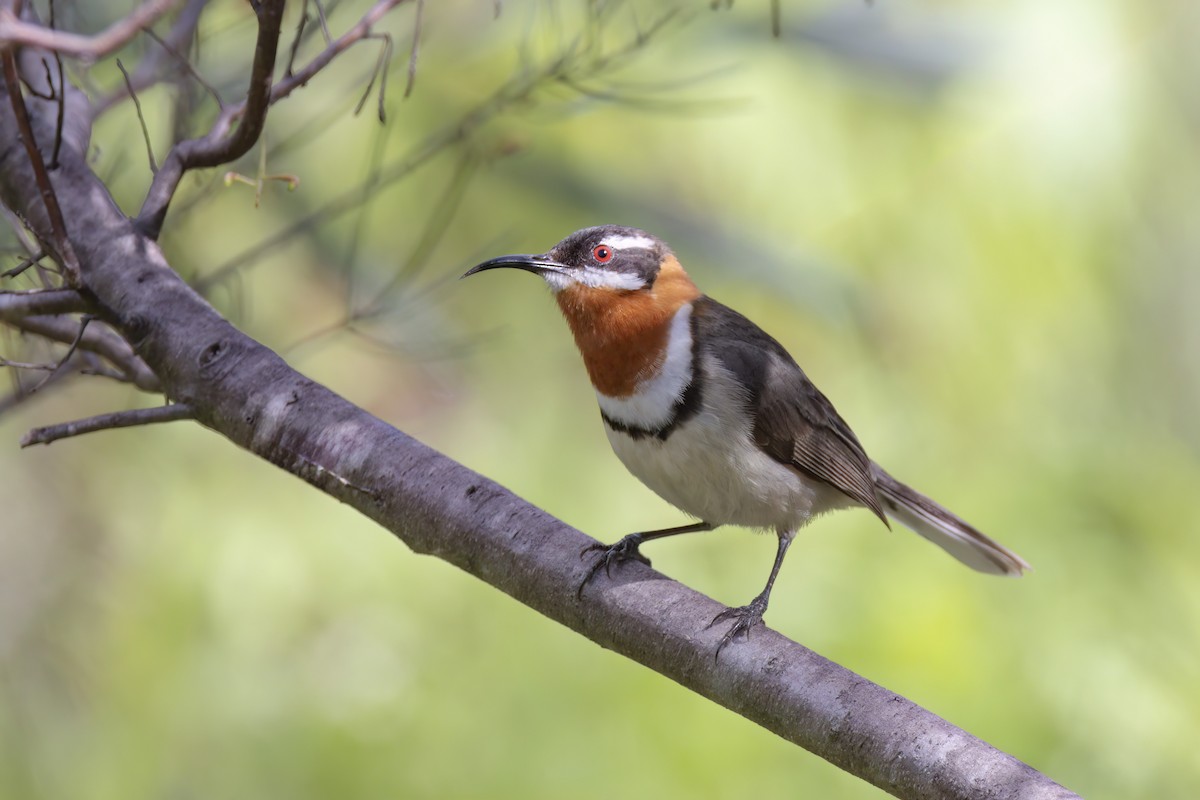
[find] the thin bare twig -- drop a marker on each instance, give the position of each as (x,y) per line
(62,362)
(117,419)
(150,70)
(97,339)
(18,305)
(66,254)
(186,64)
(324,22)
(20,394)
(58,95)
(137,104)
(62,97)
(412,56)
(44,366)
(375,159)
(304,31)
(380,73)
(24,265)
(351,37)
(14,31)
(438,222)
(215,147)
(38,93)
(62,112)
(296,40)
(94,365)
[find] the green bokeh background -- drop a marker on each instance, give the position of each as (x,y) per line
(974,224)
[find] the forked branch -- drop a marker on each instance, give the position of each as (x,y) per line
(216,147)
(96,339)
(14,31)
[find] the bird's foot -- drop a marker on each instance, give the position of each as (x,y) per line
(624,550)
(744,618)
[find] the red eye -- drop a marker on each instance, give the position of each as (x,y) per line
(602,253)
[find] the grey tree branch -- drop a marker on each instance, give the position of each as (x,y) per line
(102,422)
(96,339)
(215,147)
(247,393)
(18,305)
(14,31)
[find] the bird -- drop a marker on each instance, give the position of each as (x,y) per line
(713,414)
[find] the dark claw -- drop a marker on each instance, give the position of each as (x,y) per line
(744,618)
(624,550)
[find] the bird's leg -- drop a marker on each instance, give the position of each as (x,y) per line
(747,616)
(627,549)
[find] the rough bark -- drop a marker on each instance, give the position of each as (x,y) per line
(247,393)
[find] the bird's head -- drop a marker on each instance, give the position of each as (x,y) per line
(607,257)
(608,268)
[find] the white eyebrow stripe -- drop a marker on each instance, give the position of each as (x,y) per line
(632,242)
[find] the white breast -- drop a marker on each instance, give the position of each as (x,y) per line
(710,467)
(651,406)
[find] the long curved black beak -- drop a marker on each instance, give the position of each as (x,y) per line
(536,264)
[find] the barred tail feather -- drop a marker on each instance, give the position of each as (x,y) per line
(945,529)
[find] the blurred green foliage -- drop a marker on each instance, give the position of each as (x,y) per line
(973,224)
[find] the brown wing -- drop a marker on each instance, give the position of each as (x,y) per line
(793,422)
